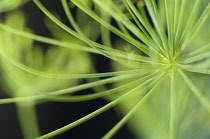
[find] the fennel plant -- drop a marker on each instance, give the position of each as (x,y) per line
(160,61)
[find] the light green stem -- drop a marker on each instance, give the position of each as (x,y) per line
(28,119)
(172,123)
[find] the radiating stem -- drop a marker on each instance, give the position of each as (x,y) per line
(172,107)
(200,96)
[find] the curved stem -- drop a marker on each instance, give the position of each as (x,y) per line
(93,114)
(158,81)
(200,96)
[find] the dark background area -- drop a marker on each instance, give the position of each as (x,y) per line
(53,115)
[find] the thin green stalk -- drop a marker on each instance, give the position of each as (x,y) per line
(200,96)
(49,75)
(96,83)
(130,39)
(93,44)
(200,50)
(170,24)
(77,28)
(130,10)
(176,18)
(113,131)
(103,93)
(180,22)
(123,29)
(105,33)
(141,34)
(158,25)
(71,90)
(68,44)
(172,124)
(47,40)
(93,114)
(144,22)
(195,69)
(197,27)
(195,58)
(82,37)
(191,21)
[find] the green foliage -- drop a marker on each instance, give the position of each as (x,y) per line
(6,5)
(54,60)
(159,57)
